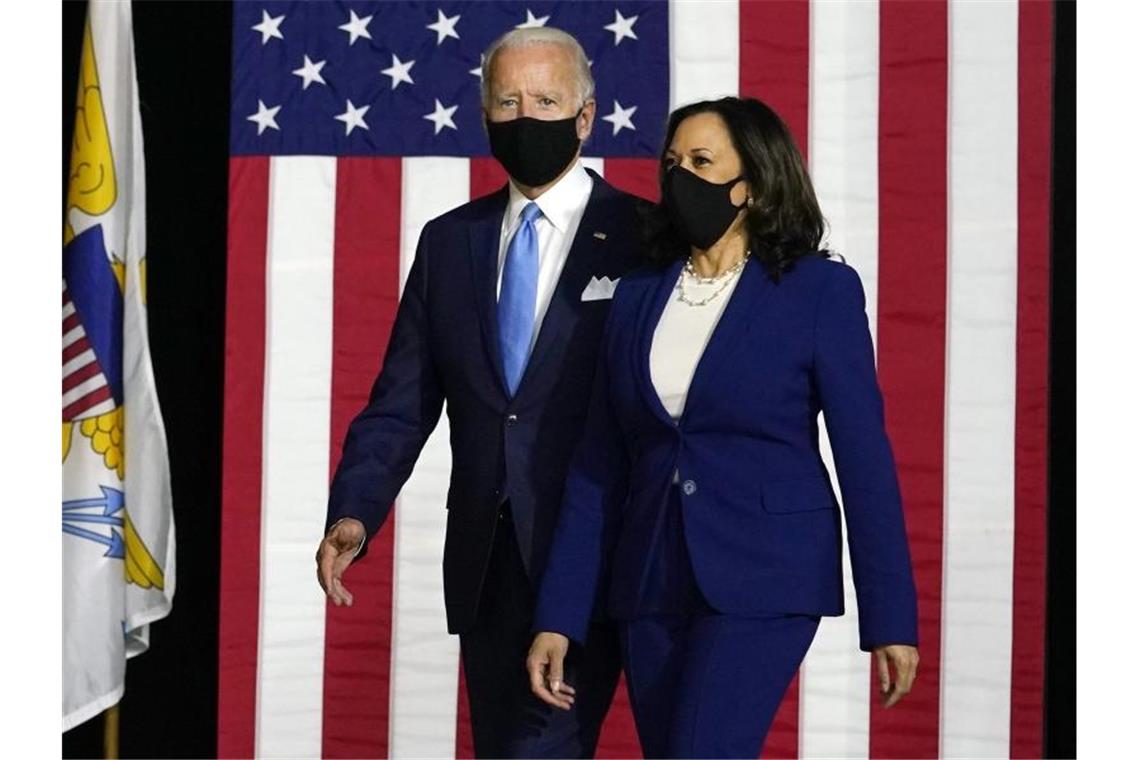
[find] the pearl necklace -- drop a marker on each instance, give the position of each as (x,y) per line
(726,276)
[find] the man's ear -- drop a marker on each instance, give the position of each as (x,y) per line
(585,123)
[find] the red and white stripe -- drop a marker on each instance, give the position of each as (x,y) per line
(927,129)
(85,389)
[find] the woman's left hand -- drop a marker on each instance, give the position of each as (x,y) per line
(905,659)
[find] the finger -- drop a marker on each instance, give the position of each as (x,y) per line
(536,665)
(884,671)
(904,670)
(326,555)
(345,594)
(895,695)
(334,590)
(907,674)
(554,675)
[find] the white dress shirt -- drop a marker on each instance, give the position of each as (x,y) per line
(681,336)
(562,207)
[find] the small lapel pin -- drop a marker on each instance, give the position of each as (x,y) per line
(600,235)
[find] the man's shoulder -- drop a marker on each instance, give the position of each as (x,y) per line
(474,211)
(619,198)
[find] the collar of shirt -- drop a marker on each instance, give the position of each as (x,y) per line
(559,203)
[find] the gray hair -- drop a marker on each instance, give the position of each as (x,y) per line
(541,35)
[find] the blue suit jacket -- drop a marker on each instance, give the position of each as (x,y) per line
(444,346)
(761,520)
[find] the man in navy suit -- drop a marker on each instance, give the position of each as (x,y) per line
(502,317)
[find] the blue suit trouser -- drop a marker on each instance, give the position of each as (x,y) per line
(701,683)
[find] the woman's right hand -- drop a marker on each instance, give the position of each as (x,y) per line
(544,664)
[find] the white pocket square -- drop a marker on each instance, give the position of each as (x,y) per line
(600,289)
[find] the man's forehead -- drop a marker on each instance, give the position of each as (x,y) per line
(548,61)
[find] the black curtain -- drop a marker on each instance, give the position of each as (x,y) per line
(183,57)
(1061,605)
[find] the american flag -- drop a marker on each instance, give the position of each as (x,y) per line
(86,390)
(927,128)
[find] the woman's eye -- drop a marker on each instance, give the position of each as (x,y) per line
(668,163)
(700,161)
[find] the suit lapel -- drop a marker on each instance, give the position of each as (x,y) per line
(738,315)
(484,241)
(647,324)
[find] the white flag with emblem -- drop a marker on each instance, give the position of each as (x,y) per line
(118,528)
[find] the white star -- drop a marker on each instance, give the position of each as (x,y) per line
(621,27)
(478,70)
(442,117)
(620,117)
(310,72)
(269,27)
(444,27)
(356,27)
(353,117)
(265,118)
(399,71)
(531,21)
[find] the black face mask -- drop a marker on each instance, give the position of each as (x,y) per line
(534,151)
(701,210)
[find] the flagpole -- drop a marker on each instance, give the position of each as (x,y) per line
(111,732)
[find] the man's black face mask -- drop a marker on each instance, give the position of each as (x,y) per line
(534,151)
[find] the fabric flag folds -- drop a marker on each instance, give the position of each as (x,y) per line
(118,527)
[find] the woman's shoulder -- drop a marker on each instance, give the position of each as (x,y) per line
(640,279)
(815,273)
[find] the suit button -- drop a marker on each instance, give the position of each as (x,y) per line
(512,419)
(689,487)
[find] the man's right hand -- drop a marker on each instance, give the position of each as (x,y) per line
(335,554)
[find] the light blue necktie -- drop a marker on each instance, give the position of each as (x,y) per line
(517,296)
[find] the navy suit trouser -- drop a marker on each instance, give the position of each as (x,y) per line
(507,720)
(701,683)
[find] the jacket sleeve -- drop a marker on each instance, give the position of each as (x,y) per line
(575,576)
(385,438)
(852,404)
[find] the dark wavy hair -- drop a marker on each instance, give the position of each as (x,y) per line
(784,222)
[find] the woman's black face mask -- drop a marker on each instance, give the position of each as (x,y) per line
(534,151)
(701,210)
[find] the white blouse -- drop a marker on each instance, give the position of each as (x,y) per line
(681,336)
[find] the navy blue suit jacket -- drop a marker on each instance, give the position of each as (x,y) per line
(444,346)
(761,519)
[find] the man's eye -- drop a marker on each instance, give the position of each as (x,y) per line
(547,102)
(508,103)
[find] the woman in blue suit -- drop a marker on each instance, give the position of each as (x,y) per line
(698,512)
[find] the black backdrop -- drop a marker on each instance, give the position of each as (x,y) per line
(183,56)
